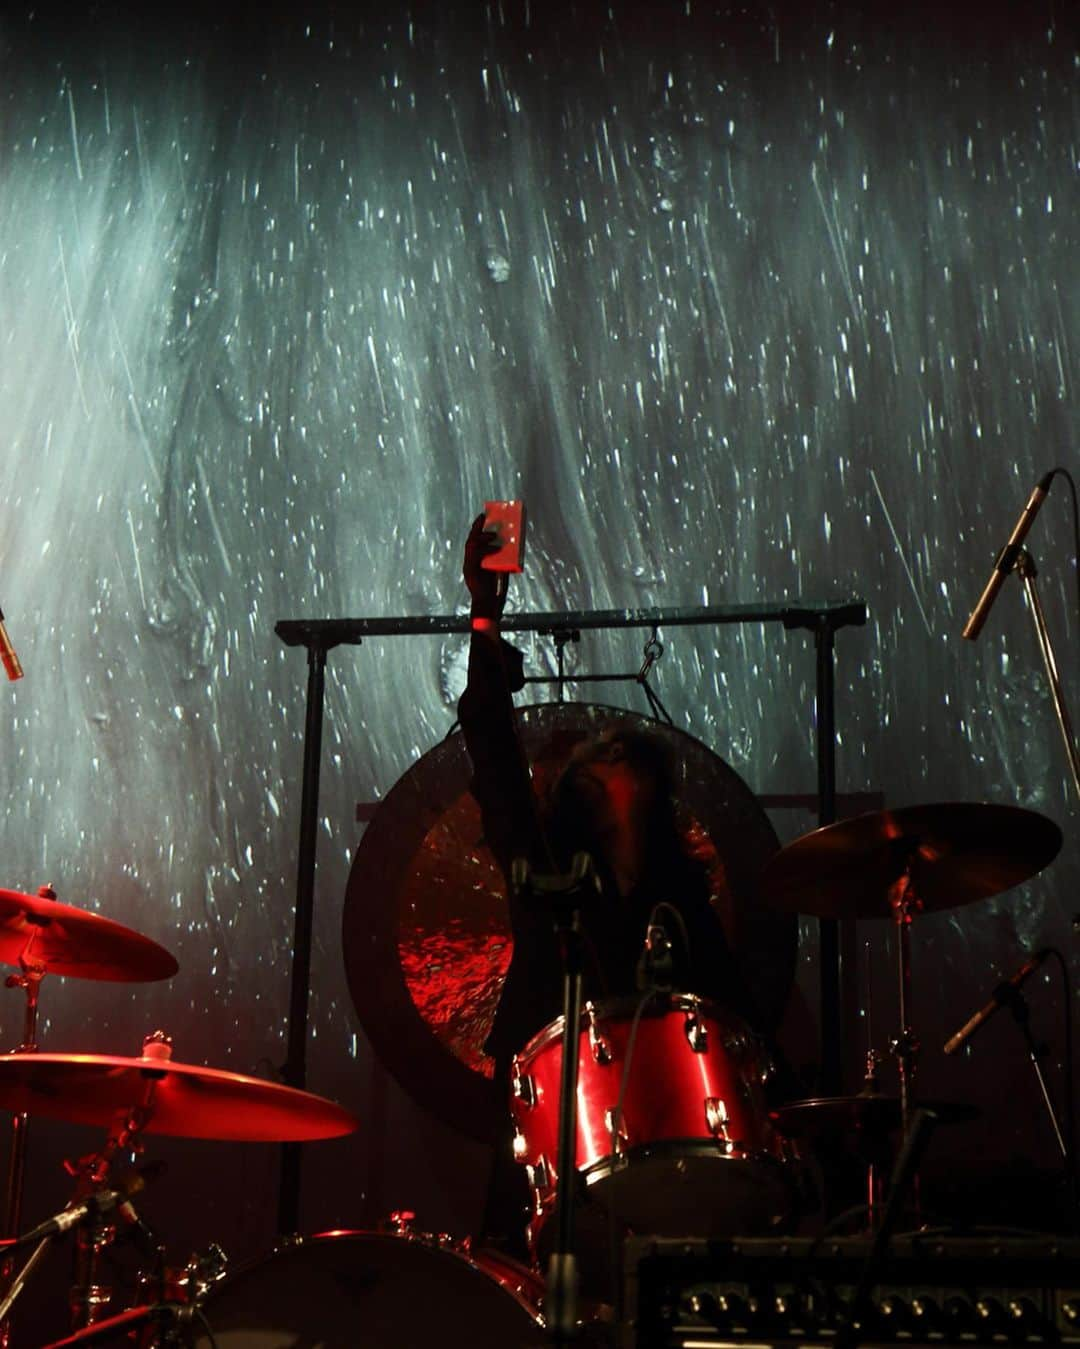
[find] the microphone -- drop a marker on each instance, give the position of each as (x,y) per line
(1006,559)
(7,653)
(1004,993)
(97,1205)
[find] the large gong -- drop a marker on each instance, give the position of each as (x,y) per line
(425,931)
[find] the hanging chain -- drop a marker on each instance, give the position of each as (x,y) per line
(653,649)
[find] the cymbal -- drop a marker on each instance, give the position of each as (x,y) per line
(868,1113)
(76,942)
(957,852)
(186,1101)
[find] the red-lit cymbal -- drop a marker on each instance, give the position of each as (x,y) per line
(77,943)
(956,853)
(185,1100)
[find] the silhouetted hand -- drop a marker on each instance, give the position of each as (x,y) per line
(487,588)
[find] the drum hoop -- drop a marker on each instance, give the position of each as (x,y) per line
(622,1007)
(507,1274)
(677,1149)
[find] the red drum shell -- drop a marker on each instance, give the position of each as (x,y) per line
(697,1152)
(386,1291)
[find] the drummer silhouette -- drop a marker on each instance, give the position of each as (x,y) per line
(613,800)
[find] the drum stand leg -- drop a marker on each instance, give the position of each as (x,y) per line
(906,1045)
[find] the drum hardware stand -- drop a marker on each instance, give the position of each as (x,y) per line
(90,1216)
(29,980)
(563,893)
(88,1297)
(904,1173)
(871,1087)
(905,1046)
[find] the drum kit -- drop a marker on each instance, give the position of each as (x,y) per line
(126,1097)
(673,1135)
(673,1132)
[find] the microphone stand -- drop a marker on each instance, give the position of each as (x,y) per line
(1017,1004)
(1025,567)
(564,893)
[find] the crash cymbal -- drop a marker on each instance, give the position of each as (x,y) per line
(958,852)
(868,1113)
(185,1101)
(77,943)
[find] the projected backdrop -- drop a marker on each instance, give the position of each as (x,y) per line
(748,307)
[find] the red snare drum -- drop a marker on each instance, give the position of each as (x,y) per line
(696,1153)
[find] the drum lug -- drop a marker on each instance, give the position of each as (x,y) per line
(716,1117)
(623,1138)
(601,1048)
(540,1177)
(697,1035)
(400,1222)
(524,1089)
(737,1044)
(520,1146)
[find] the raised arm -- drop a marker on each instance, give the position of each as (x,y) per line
(501,782)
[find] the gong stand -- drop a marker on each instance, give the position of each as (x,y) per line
(320,636)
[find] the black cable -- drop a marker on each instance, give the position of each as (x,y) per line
(614,1245)
(199,1315)
(1076,531)
(1070,1093)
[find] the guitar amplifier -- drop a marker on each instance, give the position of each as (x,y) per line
(928,1290)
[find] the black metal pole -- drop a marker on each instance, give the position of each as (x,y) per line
(828,928)
(295,1068)
(561,1305)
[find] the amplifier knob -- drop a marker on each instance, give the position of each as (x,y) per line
(736,1311)
(992,1316)
(926,1315)
(790,1309)
(895,1314)
(706,1307)
(960,1317)
(1026,1319)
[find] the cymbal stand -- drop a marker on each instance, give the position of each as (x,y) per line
(29,980)
(905,1046)
(91,1172)
(1025,567)
(870,1087)
(89,1298)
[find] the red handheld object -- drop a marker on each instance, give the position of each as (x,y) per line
(507,519)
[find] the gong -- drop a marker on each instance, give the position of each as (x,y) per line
(426,933)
